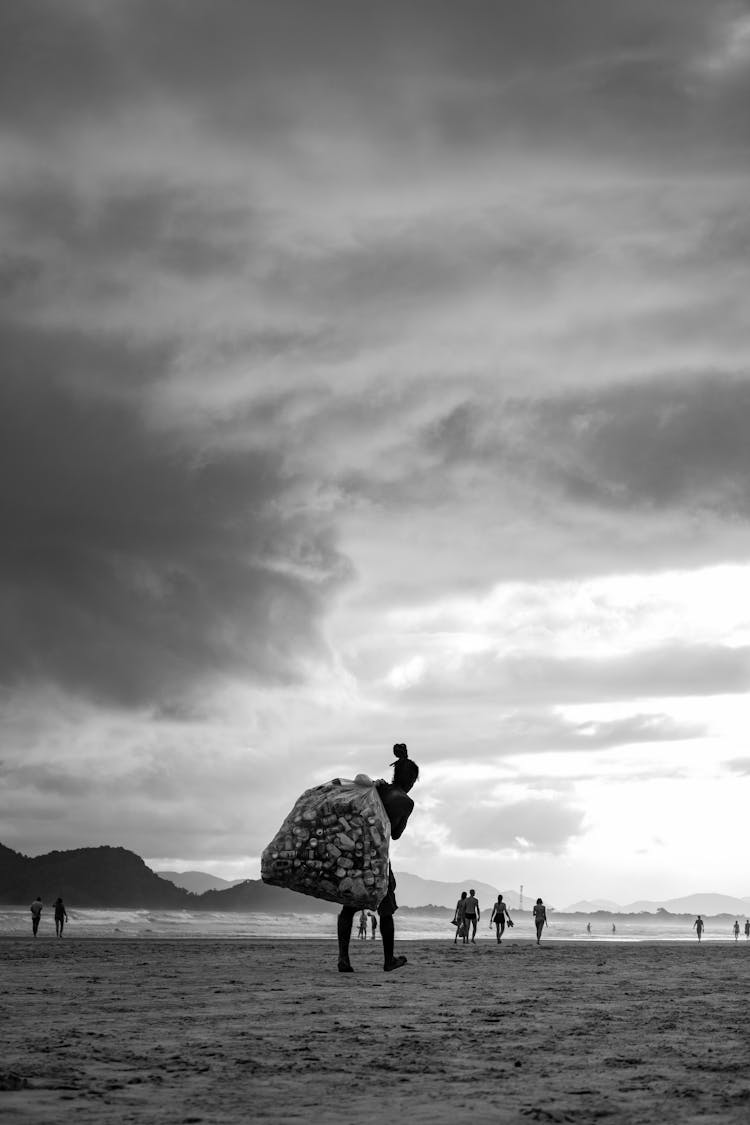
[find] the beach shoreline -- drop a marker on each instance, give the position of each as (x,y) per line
(228,1031)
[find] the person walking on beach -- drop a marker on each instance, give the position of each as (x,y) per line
(540,918)
(498,916)
(736,929)
(36,913)
(459,918)
(362,932)
(374,924)
(61,916)
(588,927)
(698,926)
(472,915)
(747,928)
(398,806)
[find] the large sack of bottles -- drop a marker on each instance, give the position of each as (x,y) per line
(333,845)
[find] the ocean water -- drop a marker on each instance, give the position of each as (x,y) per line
(410,926)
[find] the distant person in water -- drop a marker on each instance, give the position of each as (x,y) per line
(472,914)
(699,926)
(36,913)
(61,916)
(398,807)
(498,916)
(374,924)
(747,928)
(588,927)
(459,918)
(614,928)
(736,929)
(362,931)
(540,918)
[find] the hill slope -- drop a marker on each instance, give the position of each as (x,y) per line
(253,895)
(87,877)
(414,891)
(198,881)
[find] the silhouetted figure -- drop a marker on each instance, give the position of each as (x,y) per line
(362,931)
(588,927)
(459,918)
(498,916)
(36,913)
(472,914)
(747,928)
(699,926)
(374,924)
(61,916)
(614,928)
(398,807)
(736,929)
(540,918)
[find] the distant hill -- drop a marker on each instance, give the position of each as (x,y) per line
(589,906)
(198,881)
(253,895)
(412,890)
(708,903)
(87,877)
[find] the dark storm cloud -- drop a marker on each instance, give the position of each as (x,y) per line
(157,225)
(134,566)
(389,273)
(461,76)
(41,780)
(671,442)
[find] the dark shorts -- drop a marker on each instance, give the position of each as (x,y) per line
(388,905)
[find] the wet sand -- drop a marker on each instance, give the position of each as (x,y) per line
(153,1031)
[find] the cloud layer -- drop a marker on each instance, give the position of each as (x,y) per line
(368,375)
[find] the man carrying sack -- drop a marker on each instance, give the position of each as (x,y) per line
(398,807)
(334,845)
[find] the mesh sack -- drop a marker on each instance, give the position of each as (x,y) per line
(333,845)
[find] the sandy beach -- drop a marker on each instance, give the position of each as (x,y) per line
(234,1031)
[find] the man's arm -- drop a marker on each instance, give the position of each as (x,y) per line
(398,808)
(398,824)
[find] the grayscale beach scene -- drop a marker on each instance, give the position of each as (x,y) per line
(374,561)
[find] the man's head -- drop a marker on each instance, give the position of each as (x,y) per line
(405,771)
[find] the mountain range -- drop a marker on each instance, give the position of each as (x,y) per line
(198,881)
(707,903)
(115,877)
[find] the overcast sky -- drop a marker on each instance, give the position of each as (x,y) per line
(376,373)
